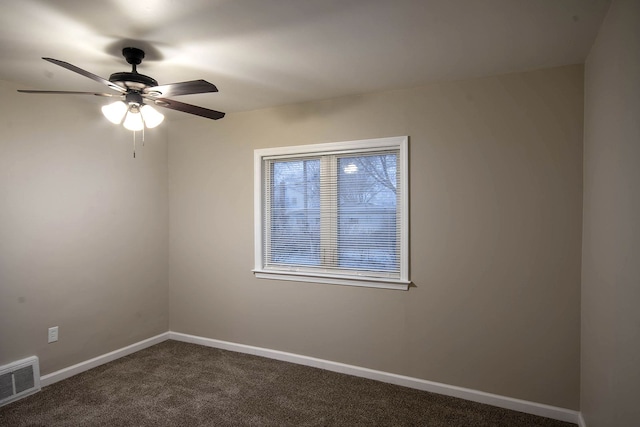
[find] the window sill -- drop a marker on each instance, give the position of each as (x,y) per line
(368,282)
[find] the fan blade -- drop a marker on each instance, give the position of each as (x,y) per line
(182,88)
(85,73)
(188,108)
(65,92)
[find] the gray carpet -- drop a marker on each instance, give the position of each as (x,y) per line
(179,384)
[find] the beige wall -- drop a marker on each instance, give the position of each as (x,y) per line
(495,235)
(83,231)
(496,208)
(610,383)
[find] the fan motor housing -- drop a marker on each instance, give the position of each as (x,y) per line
(132,80)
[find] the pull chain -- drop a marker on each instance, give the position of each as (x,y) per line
(134,144)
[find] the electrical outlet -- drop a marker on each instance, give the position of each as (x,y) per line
(53,334)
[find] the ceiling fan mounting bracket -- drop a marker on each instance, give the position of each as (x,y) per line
(134,56)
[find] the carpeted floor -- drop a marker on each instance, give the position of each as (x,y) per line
(180,384)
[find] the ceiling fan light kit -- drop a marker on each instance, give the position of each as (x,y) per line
(135,113)
(133,89)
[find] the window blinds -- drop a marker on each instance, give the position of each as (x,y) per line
(334,213)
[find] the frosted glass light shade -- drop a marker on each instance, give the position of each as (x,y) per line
(133,121)
(151,116)
(115,112)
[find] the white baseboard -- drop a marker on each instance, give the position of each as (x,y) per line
(581,422)
(70,371)
(528,407)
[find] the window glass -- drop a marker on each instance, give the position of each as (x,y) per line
(367,201)
(295,212)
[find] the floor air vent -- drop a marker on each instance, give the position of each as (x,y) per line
(19,379)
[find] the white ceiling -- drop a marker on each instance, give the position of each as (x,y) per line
(262,53)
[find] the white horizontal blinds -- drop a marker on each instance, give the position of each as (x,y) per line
(292,212)
(368,227)
(337,213)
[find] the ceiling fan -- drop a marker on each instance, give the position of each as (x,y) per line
(134,89)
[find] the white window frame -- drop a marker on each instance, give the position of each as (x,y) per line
(396,143)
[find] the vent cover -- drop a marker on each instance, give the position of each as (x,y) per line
(19,379)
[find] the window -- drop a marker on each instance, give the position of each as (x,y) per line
(333,213)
